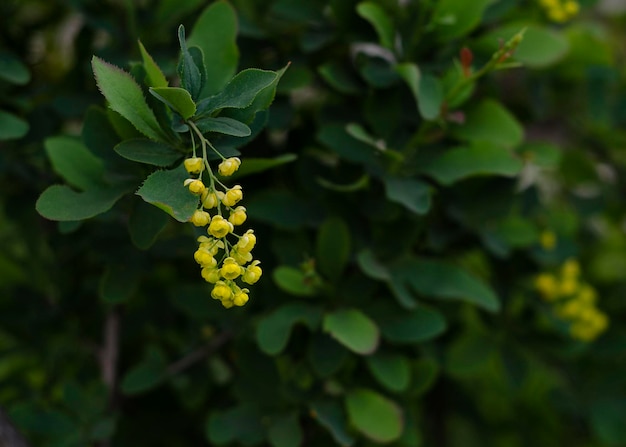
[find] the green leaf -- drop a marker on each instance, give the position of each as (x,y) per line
(480,158)
(239,92)
(147,374)
(377,417)
(285,431)
(371,266)
(542,154)
(119,282)
(333,248)
(189,72)
(293,281)
(154,75)
(145,223)
(470,355)
(99,135)
(425,372)
(12,127)
(540,47)
(242,424)
(607,419)
(49,423)
(165,190)
(490,121)
(280,208)
(126,98)
(331,416)
(251,166)
(13,70)
(413,194)
(455,18)
(381,22)
(446,281)
(103,429)
(413,327)
(148,152)
(353,329)
(274,330)
(227,126)
(178,99)
(215,32)
(393,371)
(429,97)
(339,77)
(74,162)
(60,202)
(410,73)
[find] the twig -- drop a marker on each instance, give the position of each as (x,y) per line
(200,353)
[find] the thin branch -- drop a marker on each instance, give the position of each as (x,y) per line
(110,350)
(199,354)
(9,436)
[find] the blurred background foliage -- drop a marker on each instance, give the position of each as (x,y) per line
(403,242)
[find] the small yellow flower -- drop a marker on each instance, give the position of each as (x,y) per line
(232,196)
(547,240)
(241,258)
(210,199)
(229,166)
(568,286)
(246,242)
(570,269)
(194,165)
(195,186)
(547,286)
(252,274)
(211,274)
(210,244)
(571,8)
(230,269)
(557,15)
(200,218)
(221,291)
(241,297)
(219,227)
(238,216)
(228,303)
(204,258)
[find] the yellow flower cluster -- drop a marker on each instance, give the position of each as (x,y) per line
(222,262)
(560,11)
(573,301)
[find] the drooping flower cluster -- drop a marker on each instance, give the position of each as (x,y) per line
(573,301)
(223,262)
(560,11)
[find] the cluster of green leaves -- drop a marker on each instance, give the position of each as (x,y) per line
(398,194)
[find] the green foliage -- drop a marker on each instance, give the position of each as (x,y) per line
(421,178)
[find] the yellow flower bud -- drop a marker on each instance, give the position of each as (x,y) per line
(240,257)
(227,303)
(238,216)
(241,297)
(195,186)
(246,242)
(229,166)
(547,240)
(546,285)
(204,258)
(200,218)
(571,8)
(210,199)
(194,165)
(219,227)
(232,196)
(252,274)
(210,244)
(230,269)
(570,269)
(211,274)
(221,291)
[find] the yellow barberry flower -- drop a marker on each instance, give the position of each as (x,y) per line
(228,303)
(241,258)
(221,291)
(210,198)
(211,274)
(229,166)
(570,269)
(195,186)
(204,258)
(557,15)
(252,274)
(587,295)
(240,297)
(232,196)
(571,8)
(547,240)
(200,218)
(568,286)
(211,244)
(238,216)
(194,165)
(546,284)
(230,269)
(247,242)
(219,227)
